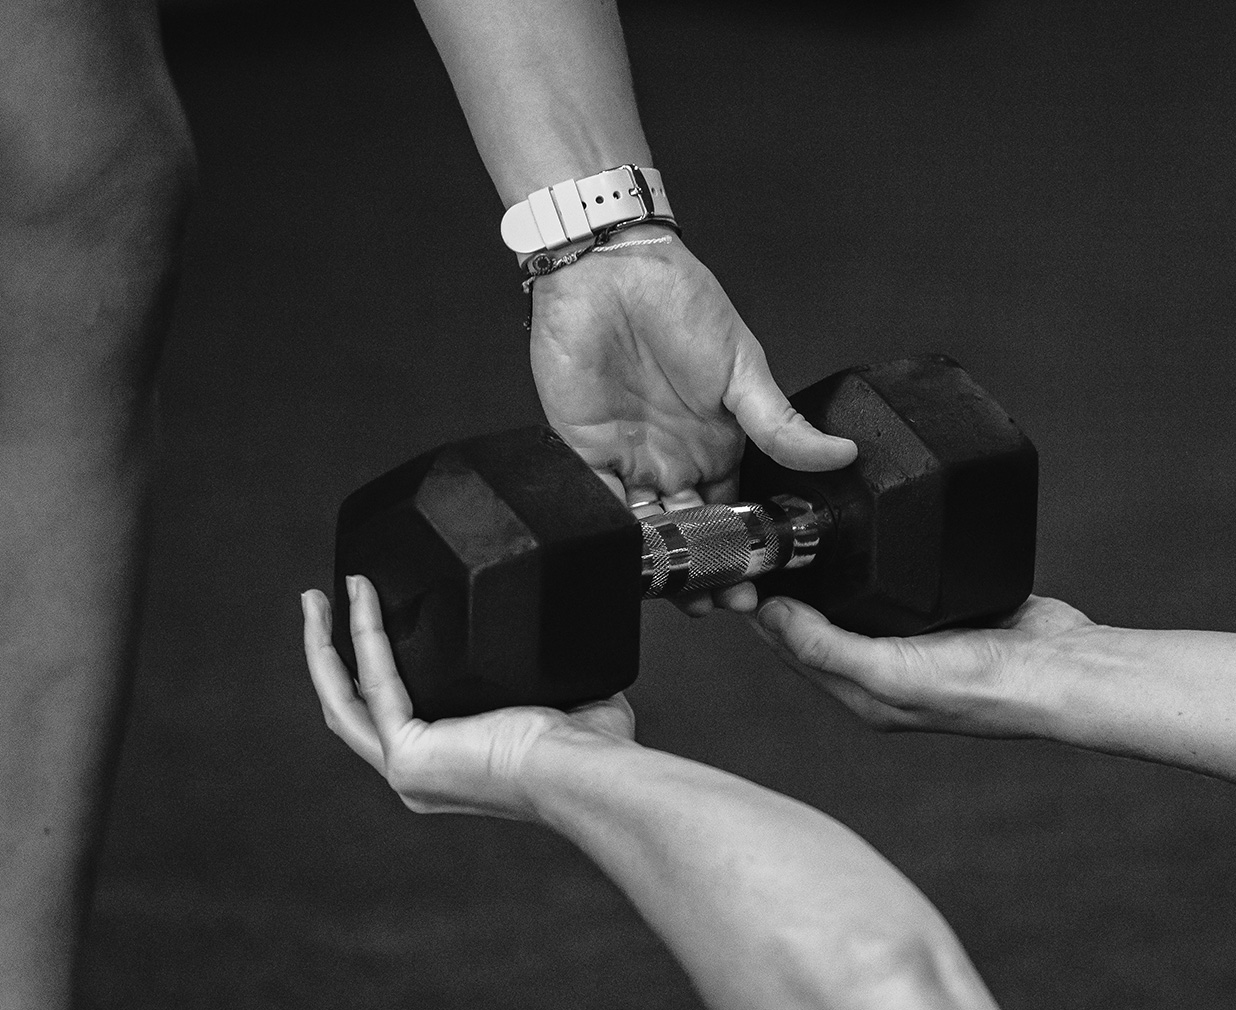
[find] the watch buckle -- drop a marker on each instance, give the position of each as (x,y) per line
(639,189)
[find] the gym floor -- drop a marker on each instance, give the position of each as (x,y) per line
(1042,190)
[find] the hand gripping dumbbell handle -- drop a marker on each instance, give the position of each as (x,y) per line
(720,545)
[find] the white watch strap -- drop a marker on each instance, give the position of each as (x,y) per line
(574,209)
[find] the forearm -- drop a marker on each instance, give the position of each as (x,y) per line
(765,901)
(1165,696)
(544,84)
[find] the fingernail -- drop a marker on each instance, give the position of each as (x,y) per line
(304,604)
(773,615)
(353,584)
(848,444)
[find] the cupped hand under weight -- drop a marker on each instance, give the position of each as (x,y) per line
(466,765)
(976,681)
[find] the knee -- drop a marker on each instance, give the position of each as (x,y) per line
(90,238)
(89,269)
(126,186)
(97,166)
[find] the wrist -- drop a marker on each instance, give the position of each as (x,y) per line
(1067,687)
(648,239)
(572,158)
(566,765)
(645,233)
(1133,692)
(580,211)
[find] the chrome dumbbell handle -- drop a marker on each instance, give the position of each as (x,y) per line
(719,545)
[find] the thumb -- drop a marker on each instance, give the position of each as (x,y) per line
(771,422)
(817,643)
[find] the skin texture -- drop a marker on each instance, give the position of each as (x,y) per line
(95,173)
(1047,672)
(765,901)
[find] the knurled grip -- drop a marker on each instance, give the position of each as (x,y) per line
(711,546)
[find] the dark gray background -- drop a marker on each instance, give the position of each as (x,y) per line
(1042,190)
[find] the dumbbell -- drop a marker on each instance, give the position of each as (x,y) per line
(509,574)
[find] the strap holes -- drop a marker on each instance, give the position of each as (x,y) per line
(600,199)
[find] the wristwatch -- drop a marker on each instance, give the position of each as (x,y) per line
(577,209)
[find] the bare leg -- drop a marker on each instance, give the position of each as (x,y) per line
(95,173)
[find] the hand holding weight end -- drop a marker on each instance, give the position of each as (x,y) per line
(977,681)
(471,765)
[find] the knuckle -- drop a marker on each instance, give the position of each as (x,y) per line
(786,423)
(812,649)
(896,678)
(367,685)
(411,793)
(789,419)
(332,720)
(366,636)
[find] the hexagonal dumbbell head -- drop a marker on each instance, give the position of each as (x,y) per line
(507,572)
(935,522)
